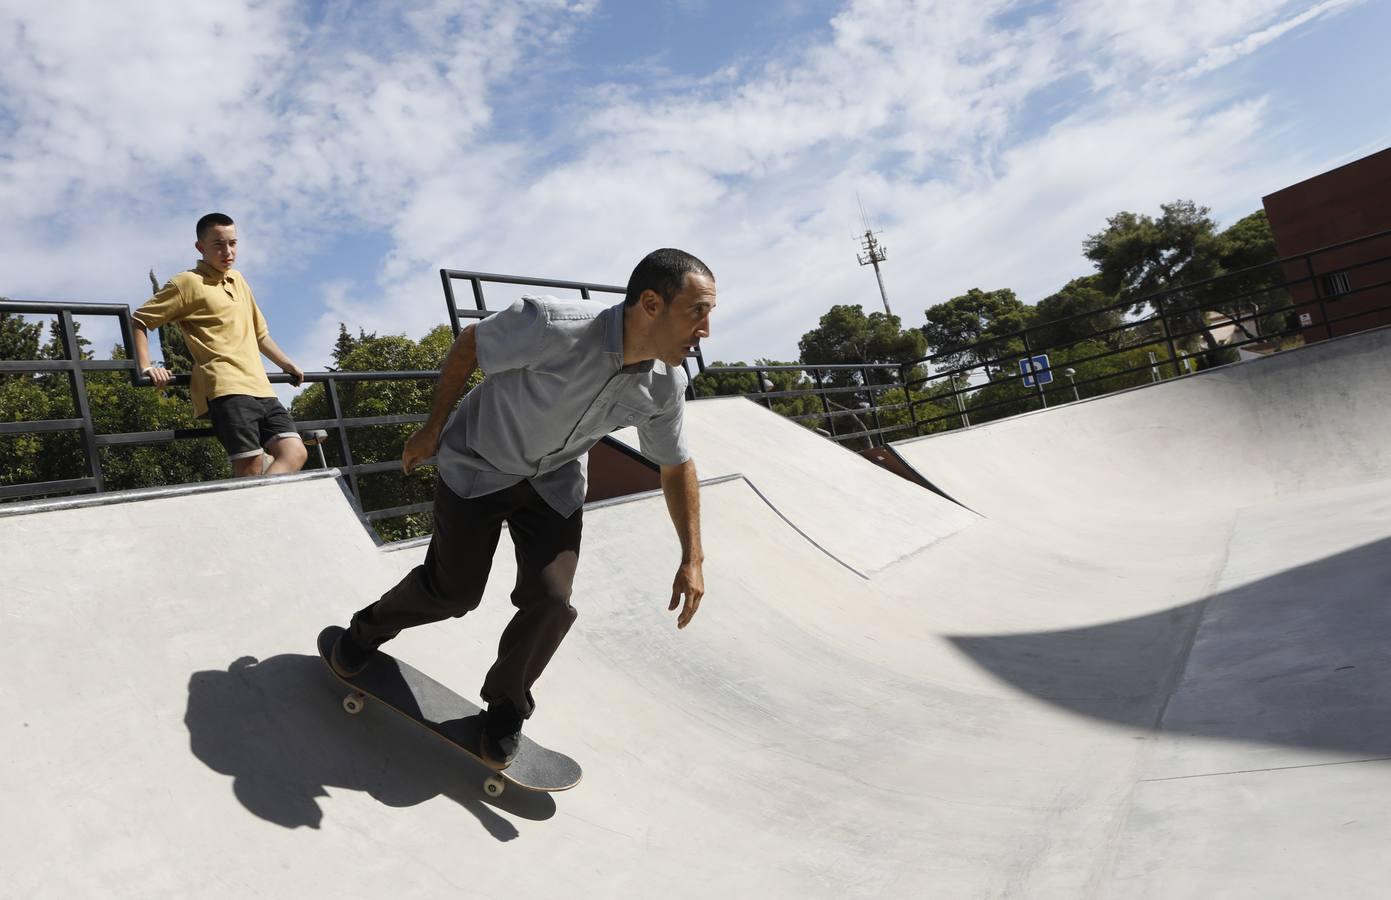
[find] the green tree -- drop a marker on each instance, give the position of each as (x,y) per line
(364,399)
(715,382)
(970,330)
(1247,249)
(845,335)
(1083,298)
(1137,255)
(19,339)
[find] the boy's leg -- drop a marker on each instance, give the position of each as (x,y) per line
(236,421)
(451,580)
(281,440)
(548,551)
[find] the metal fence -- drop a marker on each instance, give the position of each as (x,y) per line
(76,368)
(337,424)
(1159,336)
(1341,288)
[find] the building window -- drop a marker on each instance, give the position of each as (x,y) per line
(1336,283)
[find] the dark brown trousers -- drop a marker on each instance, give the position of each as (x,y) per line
(451,581)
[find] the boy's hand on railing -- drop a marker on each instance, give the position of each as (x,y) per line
(159,375)
(295,373)
(419,447)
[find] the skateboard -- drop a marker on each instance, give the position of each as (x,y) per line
(423,700)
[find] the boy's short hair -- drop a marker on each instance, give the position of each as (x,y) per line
(663,271)
(210,220)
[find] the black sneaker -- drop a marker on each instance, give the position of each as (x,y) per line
(502,734)
(349,657)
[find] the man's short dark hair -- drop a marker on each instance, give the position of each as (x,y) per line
(210,220)
(663,271)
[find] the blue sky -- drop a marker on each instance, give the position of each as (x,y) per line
(362,147)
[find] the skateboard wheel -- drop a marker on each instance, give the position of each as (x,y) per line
(493,785)
(353,704)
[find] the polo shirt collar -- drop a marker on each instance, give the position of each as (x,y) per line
(613,340)
(213,276)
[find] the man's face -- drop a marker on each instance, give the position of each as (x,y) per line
(219,246)
(685,321)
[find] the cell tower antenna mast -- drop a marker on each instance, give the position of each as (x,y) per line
(875,253)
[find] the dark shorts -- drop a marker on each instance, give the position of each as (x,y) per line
(245,424)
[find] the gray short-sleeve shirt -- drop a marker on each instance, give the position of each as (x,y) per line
(554,385)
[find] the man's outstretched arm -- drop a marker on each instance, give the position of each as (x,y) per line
(458,366)
(682,490)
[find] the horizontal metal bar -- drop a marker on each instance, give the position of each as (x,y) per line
(42,488)
(42,426)
(128,438)
(494,278)
(27,366)
(792,367)
(38,307)
(377,515)
(362,421)
(390,465)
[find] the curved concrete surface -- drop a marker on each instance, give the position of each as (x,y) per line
(1082,694)
(865,516)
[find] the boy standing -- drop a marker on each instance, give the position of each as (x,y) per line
(226,335)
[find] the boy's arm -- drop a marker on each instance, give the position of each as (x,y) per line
(141,338)
(454,375)
(165,306)
(273,352)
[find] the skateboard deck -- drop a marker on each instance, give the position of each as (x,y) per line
(430,704)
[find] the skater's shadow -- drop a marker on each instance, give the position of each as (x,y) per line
(279,730)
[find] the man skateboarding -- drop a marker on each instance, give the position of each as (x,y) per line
(226,335)
(559,375)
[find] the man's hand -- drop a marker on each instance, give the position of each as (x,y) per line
(159,375)
(690,582)
(295,373)
(419,447)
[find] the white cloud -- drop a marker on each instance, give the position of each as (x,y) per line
(116,131)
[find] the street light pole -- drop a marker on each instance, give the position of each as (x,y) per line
(1069,372)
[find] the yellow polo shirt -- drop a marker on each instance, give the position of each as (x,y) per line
(222,327)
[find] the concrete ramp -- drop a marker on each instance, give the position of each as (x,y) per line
(1173,687)
(862,514)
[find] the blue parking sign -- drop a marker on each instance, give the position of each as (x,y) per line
(1036,368)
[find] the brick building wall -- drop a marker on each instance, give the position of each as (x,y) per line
(1341,205)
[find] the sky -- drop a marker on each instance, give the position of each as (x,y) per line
(362,147)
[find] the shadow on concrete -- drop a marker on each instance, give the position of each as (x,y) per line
(279,730)
(1300,658)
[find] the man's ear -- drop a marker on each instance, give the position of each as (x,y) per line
(651,302)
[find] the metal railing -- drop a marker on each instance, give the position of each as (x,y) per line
(858,403)
(76,368)
(338,423)
(938,396)
(479,280)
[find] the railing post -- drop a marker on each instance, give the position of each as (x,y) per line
(73,350)
(478,300)
(825,402)
(758,374)
(449,301)
(1168,336)
(335,412)
(873,407)
(1318,293)
(908,396)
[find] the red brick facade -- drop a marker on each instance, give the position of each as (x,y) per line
(1341,205)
